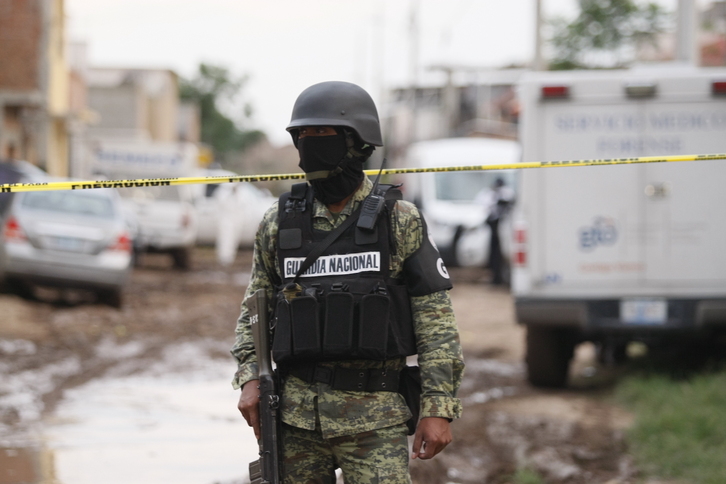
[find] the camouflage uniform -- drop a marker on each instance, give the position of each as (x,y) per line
(334,414)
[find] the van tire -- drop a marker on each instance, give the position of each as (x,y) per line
(19,288)
(548,355)
(112,297)
(182,258)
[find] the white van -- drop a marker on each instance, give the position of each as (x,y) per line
(450,201)
(613,254)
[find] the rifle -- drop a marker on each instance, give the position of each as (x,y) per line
(266,469)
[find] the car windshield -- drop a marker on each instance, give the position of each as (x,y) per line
(463,186)
(69,202)
(169,193)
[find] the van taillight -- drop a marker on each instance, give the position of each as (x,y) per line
(555,92)
(122,243)
(13,230)
(718,88)
(520,236)
(520,258)
(519,249)
(185,219)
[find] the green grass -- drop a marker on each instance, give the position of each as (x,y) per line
(680,425)
(526,476)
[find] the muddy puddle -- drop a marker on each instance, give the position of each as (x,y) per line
(171,420)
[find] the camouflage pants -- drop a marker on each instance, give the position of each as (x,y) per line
(378,456)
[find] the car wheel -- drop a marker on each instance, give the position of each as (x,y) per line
(112,297)
(18,287)
(182,258)
(548,355)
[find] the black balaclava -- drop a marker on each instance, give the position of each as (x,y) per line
(333,164)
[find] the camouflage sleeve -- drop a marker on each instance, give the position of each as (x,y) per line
(262,276)
(437,336)
(408,234)
(439,355)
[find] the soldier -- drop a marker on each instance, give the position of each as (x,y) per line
(375,292)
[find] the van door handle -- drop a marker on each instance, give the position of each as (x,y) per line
(658,190)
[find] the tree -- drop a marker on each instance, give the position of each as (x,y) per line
(606,33)
(212,85)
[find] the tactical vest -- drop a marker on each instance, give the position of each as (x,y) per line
(346,305)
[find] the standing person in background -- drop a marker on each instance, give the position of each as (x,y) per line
(377,293)
(227,240)
(497,203)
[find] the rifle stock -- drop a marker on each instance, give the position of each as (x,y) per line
(265,470)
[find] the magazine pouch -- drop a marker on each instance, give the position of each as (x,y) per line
(373,326)
(339,324)
(306,327)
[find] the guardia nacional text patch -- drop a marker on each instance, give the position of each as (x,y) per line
(335,265)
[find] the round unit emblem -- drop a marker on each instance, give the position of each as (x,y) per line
(442,268)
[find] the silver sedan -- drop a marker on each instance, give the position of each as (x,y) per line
(67,239)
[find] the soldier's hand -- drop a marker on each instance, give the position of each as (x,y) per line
(249,405)
(432,435)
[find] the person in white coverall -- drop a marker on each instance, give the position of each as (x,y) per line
(228,226)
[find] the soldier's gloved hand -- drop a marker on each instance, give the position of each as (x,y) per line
(432,435)
(249,405)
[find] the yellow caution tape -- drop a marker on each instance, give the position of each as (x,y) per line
(154,182)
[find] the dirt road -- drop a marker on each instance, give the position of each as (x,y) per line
(59,341)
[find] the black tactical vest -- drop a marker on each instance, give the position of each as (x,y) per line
(346,305)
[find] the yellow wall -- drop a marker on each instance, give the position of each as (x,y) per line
(164,109)
(58,91)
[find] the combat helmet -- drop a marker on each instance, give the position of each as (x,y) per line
(337,103)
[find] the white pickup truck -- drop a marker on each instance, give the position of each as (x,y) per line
(615,254)
(166,215)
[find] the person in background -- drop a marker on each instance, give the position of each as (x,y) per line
(497,204)
(227,240)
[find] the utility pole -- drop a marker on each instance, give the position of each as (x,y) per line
(687,33)
(414,61)
(537,65)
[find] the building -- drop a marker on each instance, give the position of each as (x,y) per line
(139,108)
(457,102)
(35,83)
(141,104)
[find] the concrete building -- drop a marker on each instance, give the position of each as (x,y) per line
(35,83)
(139,107)
(141,104)
(456,102)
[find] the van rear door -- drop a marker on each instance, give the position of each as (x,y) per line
(637,229)
(589,217)
(686,228)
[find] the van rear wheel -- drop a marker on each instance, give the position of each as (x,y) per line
(112,297)
(182,258)
(549,351)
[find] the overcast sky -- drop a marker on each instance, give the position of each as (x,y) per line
(285,46)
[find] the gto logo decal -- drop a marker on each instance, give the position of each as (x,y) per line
(602,232)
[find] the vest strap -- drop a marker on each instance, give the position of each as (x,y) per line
(325,243)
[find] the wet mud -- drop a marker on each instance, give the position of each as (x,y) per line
(54,342)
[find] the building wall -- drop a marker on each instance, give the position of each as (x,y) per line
(57,92)
(34,83)
(20,44)
(163,113)
(135,103)
(58,72)
(21,76)
(117,107)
